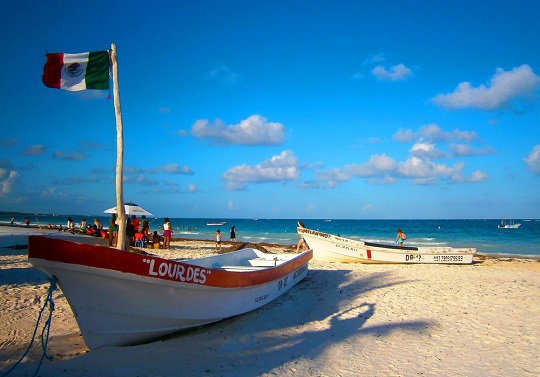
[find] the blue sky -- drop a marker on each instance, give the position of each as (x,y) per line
(279,109)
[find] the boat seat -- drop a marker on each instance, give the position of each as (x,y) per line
(242,268)
(263,262)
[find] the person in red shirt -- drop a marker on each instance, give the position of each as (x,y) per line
(135,223)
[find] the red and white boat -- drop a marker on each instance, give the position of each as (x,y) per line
(330,248)
(124,298)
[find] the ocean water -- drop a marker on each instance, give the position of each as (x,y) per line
(484,235)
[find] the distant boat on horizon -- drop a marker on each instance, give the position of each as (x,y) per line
(217,223)
(508,224)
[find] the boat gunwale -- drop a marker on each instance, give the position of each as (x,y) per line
(68,252)
(394,249)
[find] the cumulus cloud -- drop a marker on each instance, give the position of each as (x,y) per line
(403,136)
(75,180)
(279,168)
(72,156)
(433,133)
(466,150)
(7,181)
(8,142)
(533,160)
(394,73)
(172,169)
(425,149)
(420,166)
(375,59)
(223,73)
(34,150)
(503,89)
(255,130)
(142,180)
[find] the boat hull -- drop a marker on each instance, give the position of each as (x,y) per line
(330,248)
(122,298)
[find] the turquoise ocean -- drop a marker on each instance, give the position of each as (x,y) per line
(483,234)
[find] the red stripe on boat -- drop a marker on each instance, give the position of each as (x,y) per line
(57,250)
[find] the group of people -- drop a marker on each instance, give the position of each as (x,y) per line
(135,229)
(93,229)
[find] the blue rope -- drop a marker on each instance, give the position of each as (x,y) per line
(44,333)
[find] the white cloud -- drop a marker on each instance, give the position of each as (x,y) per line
(419,167)
(223,73)
(533,160)
(375,59)
(466,150)
(377,166)
(141,180)
(192,187)
(279,168)
(172,169)
(255,130)
(403,136)
(504,87)
(476,176)
(7,180)
(34,150)
(395,73)
(433,133)
(73,156)
(425,149)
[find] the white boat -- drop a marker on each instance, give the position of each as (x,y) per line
(123,298)
(330,248)
(219,223)
(508,224)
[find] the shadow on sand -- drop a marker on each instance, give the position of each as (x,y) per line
(324,309)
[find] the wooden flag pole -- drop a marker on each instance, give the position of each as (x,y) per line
(123,242)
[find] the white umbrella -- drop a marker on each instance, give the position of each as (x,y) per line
(131,209)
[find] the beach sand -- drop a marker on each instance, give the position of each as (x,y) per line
(342,320)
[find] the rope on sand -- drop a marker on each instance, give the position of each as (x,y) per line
(44,333)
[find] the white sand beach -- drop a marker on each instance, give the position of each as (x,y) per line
(342,320)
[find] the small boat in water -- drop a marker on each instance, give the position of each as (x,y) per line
(330,248)
(218,223)
(508,224)
(123,298)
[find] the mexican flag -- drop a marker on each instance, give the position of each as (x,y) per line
(88,70)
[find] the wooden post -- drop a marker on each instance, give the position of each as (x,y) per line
(122,244)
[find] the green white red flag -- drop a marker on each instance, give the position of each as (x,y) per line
(74,72)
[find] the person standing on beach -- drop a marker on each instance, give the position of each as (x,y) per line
(70,225)
(218,240)
(301,241)
(27,221)
(130,232)
(233,233)
(145,226)
(400,237)
(12,220)
(167,233)
(135,222)
(113,230)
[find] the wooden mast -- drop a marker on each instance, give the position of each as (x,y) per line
(122,238)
